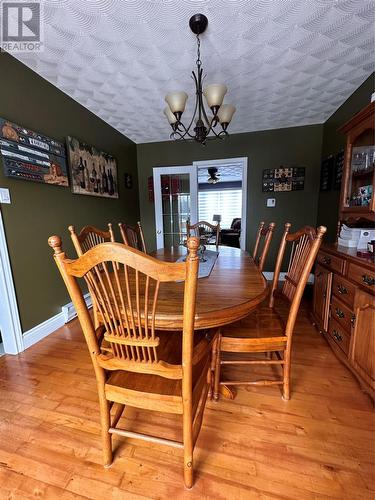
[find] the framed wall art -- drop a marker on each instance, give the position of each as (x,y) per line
(283,179)
(92,172)
(31,156)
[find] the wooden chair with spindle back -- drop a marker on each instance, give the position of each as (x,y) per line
(141,367)
(262,244)
(90,236)
(203,228)
(133,236)
(265,331)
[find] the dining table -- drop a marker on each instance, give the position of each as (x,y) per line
(233,289)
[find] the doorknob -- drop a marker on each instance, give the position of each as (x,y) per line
(158,231)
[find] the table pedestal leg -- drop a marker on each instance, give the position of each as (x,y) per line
(228,392)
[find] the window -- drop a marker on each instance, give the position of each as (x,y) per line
(227,203)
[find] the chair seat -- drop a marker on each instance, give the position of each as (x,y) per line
(259,331)
(150,391)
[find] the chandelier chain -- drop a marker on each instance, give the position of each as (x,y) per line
(199,62)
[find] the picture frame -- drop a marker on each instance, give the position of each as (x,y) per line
(92,172)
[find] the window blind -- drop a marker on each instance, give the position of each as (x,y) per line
(227,203)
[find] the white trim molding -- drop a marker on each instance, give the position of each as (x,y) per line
(10,324)
(44,329)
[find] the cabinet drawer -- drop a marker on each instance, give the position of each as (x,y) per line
(341,313)
(363,276)
(331,261)
(344,290)
(339,335)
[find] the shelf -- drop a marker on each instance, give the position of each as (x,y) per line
(365,173)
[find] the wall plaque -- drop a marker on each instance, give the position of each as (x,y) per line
(32,156)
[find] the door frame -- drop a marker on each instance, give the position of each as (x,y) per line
(11,330)
(243,160)
(157,173)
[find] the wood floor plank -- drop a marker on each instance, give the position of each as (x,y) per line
(318,445)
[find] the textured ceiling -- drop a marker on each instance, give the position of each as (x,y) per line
(286,62)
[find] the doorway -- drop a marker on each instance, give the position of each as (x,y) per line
(176,196)
(222,197)
(10,326)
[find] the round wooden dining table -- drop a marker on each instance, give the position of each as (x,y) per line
(233,289)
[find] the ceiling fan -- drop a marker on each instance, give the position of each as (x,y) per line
(214,177)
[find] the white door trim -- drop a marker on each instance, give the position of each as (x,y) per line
(243,160)
(10,324)
(157,173)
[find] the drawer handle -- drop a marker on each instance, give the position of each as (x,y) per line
(326,260)
(337,336)
(368,280)
(342,289)
(339,313)
(352,320)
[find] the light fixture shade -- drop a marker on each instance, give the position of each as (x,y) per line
(214,94)
(226,113)
(176,101)
(170,116)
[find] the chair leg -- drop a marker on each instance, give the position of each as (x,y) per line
(188,448)
(105,420)
(286,376)
(217,370)
(212,369)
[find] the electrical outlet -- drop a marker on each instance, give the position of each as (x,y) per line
(4,195)
(271,202)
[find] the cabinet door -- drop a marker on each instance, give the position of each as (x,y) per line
(362,347)
(322,292)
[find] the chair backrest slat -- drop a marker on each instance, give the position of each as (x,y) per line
(133,236)
(305,244)
(125,284)
(203,228)
(262,244)
(89,237)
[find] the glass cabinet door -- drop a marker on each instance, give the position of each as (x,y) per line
(175,191)
(360,182)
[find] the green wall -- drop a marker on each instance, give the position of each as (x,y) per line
(267,149)
(38,211)
(333,142)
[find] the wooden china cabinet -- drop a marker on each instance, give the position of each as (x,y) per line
(344,290)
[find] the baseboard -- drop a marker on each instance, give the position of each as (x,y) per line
(40,331)
(69,311)
(44,329)
(269,277)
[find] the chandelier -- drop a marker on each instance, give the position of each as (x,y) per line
(200,125)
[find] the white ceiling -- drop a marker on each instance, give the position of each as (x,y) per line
(286,62)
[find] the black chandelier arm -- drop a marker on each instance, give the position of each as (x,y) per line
(180,124)
(183,131)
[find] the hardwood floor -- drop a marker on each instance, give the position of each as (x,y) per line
(320,444)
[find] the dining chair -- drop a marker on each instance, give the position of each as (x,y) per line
(267,330)
(262,243)
(90,236)
(203,228)
(133,236)
(141,367)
